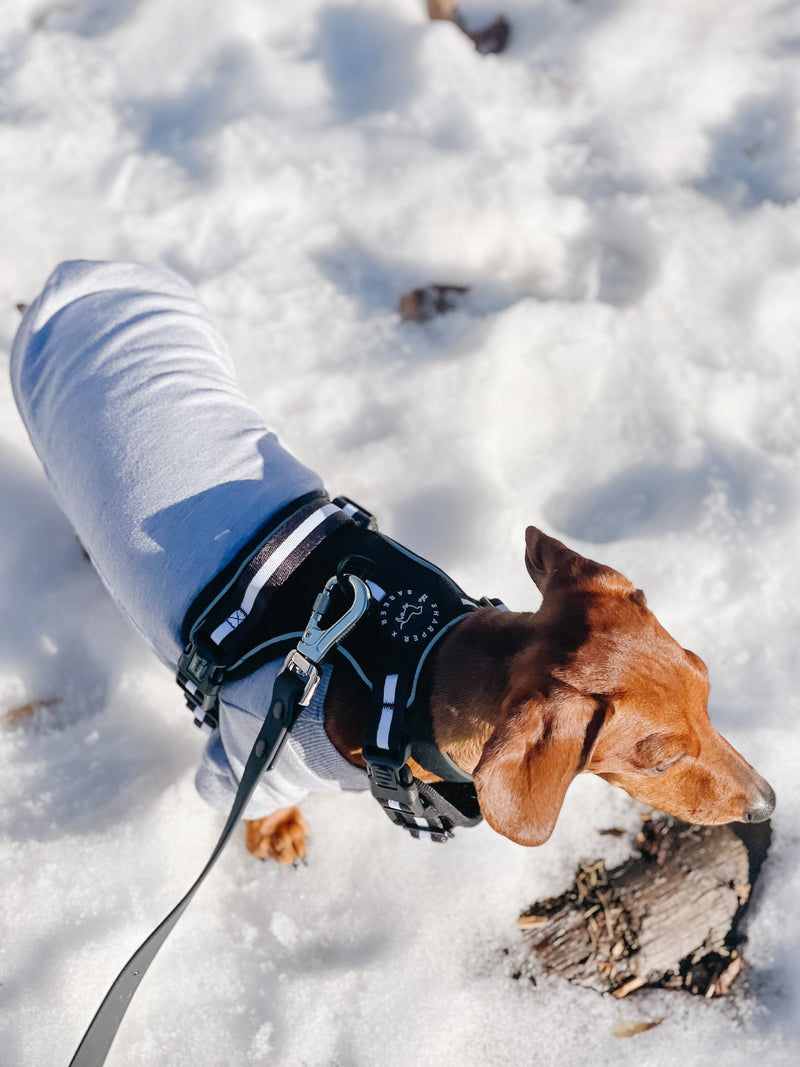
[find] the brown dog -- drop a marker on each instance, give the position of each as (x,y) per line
(527,701)
(168,485)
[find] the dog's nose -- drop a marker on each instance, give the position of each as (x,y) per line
(763,807)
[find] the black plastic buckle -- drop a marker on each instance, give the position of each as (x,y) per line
(393,785)
(424,823)
(390,779)
(360,516)
(200,677)
(492,602)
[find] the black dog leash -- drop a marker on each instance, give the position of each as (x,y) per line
(294,688)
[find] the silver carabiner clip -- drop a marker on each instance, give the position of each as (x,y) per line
(316,643)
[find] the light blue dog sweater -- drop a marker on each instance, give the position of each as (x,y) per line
(165,471)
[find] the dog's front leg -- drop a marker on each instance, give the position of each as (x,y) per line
(280,836)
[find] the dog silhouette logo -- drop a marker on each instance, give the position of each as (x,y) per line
(408,613)
(409,617)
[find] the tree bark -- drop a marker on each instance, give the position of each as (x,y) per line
(668,916)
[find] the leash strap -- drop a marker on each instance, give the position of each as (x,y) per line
(293,690)
(283,712)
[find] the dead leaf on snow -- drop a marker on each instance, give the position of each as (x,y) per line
(420,305)
(631,1027)
(14,716)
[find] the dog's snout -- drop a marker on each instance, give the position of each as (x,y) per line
(763,806)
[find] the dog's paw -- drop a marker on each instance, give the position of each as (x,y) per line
(280,836)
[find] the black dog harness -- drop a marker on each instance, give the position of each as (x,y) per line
(255,611)
(390,609)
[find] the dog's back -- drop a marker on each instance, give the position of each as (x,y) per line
(127,391)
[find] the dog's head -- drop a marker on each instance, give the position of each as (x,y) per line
(604,688)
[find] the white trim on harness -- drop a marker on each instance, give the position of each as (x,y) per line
(268,568)
(387,713)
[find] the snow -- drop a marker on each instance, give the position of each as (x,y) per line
(620,191)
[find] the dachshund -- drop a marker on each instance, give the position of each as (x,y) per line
(165,470)
(525,702)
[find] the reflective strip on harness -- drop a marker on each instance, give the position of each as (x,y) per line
(387,711)
(268,561)
(228,627)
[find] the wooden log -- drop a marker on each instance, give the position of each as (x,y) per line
(668,916)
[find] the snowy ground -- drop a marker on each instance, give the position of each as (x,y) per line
(620,190)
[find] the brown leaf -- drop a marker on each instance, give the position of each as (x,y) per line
(14,716)
(444,10)
(631,1027)
(491,40)
(420,305)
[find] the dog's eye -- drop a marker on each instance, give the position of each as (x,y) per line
(662,768)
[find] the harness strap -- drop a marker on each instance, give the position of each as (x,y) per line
(227,625)
(429,756)
(429,811)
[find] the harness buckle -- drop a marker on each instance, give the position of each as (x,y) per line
(200,677)
(391,780)
(306,671)
(398,793)
(360,516)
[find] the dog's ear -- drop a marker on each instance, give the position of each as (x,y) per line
(551,562)
(547,559)
(528,763)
